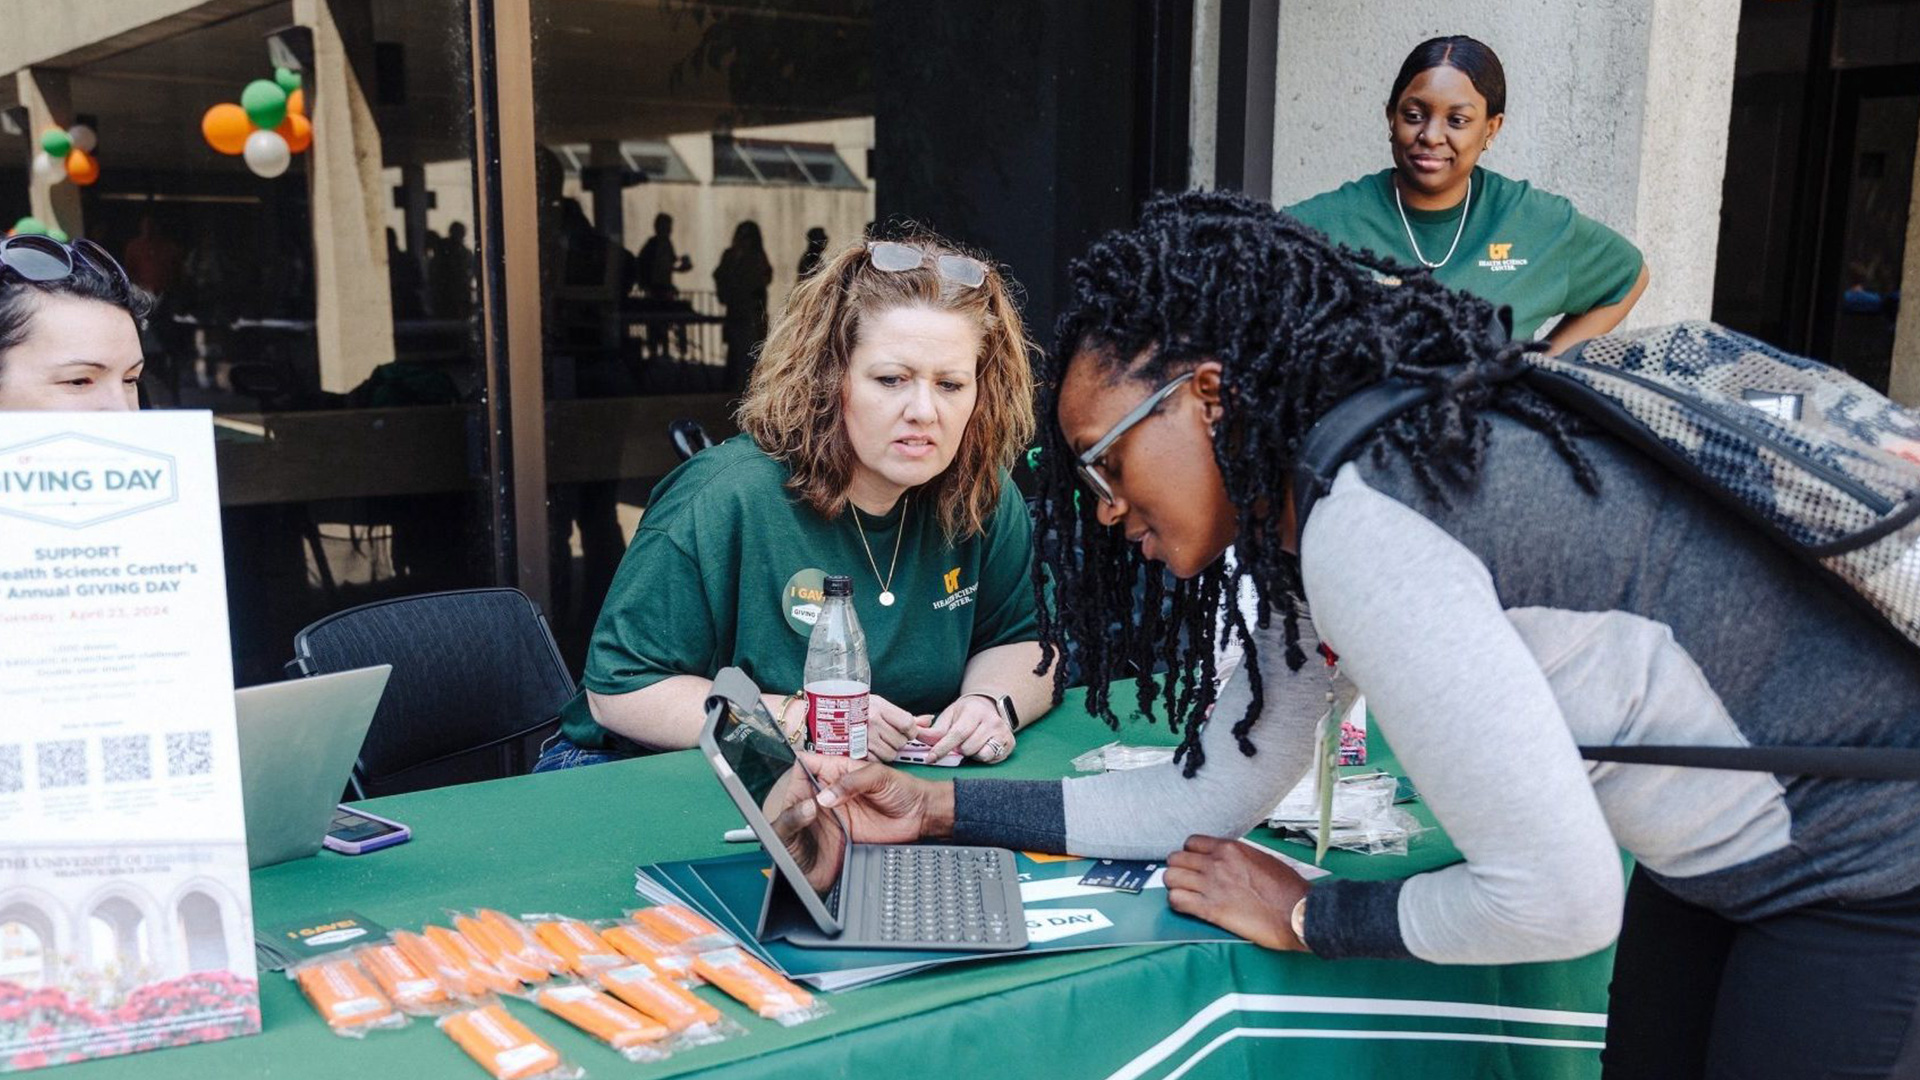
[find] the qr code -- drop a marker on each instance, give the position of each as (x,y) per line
(127,758)
(12,775)
(189,753)
(63,763)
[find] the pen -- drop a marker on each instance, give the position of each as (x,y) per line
(738,836)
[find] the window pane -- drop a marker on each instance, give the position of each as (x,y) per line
(325,315)
(794,118)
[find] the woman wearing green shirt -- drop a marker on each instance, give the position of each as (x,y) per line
(880,422)
(1500,239)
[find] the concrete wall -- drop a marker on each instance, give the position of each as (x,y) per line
(1620,105)
(66,31)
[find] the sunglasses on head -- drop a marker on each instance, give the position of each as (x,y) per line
(897,258)
(42,258)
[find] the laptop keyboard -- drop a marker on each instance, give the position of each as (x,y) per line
(940,897)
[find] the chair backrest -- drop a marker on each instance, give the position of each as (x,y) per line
(473,670)
(688,438)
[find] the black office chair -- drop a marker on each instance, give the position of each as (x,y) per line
(688,438)
(477,683)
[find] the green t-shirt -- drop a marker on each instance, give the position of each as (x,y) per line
(1521,247)
(727,567)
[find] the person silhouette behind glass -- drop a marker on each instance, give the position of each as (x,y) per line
(740,283)
(655,267)
(816,248)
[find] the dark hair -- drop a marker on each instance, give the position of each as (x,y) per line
(1470,56)
(20,298)
(1297,325)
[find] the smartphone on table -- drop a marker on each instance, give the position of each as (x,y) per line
(356,832)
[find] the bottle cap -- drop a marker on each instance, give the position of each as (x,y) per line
(839,585)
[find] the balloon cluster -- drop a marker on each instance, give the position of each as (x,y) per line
(267,128)
(67,155)
(34,226)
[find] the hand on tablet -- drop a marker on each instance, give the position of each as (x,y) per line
(790,809)
(883,805)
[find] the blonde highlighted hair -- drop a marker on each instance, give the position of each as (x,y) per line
(793,405)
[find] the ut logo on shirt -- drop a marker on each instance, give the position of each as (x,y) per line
(1500,259)
(956,597)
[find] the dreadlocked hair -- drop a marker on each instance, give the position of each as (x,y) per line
(1297,325)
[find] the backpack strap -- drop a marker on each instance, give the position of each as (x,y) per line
(1335,437)
(1849,762)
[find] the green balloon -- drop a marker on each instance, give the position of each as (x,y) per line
(57,143)
(29,226)
(286,79)
(59,235)
(265,102)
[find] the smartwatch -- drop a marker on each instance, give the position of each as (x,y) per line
(1002,702)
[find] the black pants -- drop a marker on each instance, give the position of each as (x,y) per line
(1831,990)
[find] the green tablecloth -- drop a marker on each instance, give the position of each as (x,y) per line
(568,842)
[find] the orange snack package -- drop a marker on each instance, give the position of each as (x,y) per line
(619,1026)
(409,985)
(500,949)
(760,988)
(503,1046)
(344,997)
(683,1014)
(464,953)
(682,926)
(577,945)
(643,946)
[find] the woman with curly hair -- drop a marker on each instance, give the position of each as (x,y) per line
(1505,584)
(885,411)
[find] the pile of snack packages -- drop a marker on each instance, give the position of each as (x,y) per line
(623,981)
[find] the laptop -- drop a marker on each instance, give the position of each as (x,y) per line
(827,891)
(298,743)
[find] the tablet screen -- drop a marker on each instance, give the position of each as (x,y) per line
(783,790)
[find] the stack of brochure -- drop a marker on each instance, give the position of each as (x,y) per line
(1062,915)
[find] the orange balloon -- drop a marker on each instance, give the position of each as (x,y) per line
(297,104)
(298,131)
(226,128)
(82,168)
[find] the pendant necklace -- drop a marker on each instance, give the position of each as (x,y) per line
(1415,244)
(886,584)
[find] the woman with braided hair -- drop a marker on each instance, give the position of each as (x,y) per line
(1505,584)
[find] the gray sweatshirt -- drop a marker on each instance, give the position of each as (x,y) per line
(1493,633)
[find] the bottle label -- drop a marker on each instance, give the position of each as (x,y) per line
(837,718)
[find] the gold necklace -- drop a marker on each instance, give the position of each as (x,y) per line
(886,585)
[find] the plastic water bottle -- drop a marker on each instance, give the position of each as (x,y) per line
(837,678)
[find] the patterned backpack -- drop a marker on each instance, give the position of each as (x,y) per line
(1823,464)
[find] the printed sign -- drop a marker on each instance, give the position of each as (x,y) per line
(125,916)
(1053,924)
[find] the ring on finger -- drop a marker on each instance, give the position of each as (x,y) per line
(994,750)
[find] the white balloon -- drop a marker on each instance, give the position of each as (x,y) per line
(267,154)
(49,169)
(83,137)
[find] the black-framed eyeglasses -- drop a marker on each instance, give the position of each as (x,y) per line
(1088,463)
(898,258)
(42,258)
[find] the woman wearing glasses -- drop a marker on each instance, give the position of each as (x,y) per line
(1502,240)
(1504,584)
(886,407)
(69,327)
